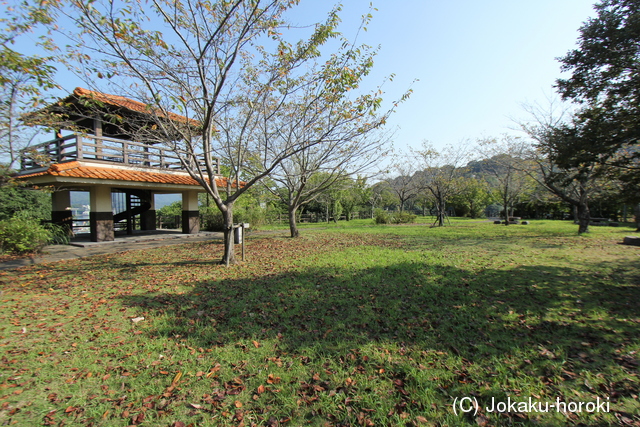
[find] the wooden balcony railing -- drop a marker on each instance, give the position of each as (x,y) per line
(104,149)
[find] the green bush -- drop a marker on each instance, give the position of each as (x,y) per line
(59,235)
(382,217)
(16,197)
(211,217)
(23,234)
(403,218)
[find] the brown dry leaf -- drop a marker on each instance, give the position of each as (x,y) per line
(237,404)
(482,421)
(261,389)
(547,353)
(213,370)
(256,344)
(138,419)
(177,378)
(272,379)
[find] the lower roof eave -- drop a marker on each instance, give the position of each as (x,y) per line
(58,181)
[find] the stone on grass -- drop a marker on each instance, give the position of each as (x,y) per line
(631,240)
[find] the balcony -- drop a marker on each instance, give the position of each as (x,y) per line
(101,149)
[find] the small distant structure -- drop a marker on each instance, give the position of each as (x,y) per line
(99,156)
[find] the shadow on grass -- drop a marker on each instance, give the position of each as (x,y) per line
(472,315)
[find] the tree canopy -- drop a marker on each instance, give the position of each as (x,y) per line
(605,81)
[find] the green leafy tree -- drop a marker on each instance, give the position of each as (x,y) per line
(473,196)
(605,81)
(23,78)
(556,167)
(16,20)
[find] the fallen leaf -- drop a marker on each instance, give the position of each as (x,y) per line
(482,421)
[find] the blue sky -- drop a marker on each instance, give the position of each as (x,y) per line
(471,64)
(477,62)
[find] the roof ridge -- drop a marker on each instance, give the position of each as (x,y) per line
(59,167)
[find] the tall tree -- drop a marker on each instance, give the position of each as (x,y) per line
(16,20)
(402,179)
(15,101)
(23,78)
(605,81)
(439,175)
(351,144)
(506,163)
(561,166)
(203,59)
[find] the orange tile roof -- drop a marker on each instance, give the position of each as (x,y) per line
(130,104)
(78,170)
(43,117)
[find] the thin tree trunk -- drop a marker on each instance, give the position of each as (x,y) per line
(506,210)
(229,257)
(293,225)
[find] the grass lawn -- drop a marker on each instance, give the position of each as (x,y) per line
(349,325)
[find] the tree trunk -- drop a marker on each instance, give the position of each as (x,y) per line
(441,212)
(229,257)
(584,217)
(505,201)
(293,225)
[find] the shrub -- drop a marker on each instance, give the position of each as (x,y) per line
(382,217)
(23,234)
(403,218)
(59,235)
(211,217)
(16,197)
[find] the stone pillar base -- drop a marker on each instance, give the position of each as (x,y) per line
(101,226)
(190,222)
